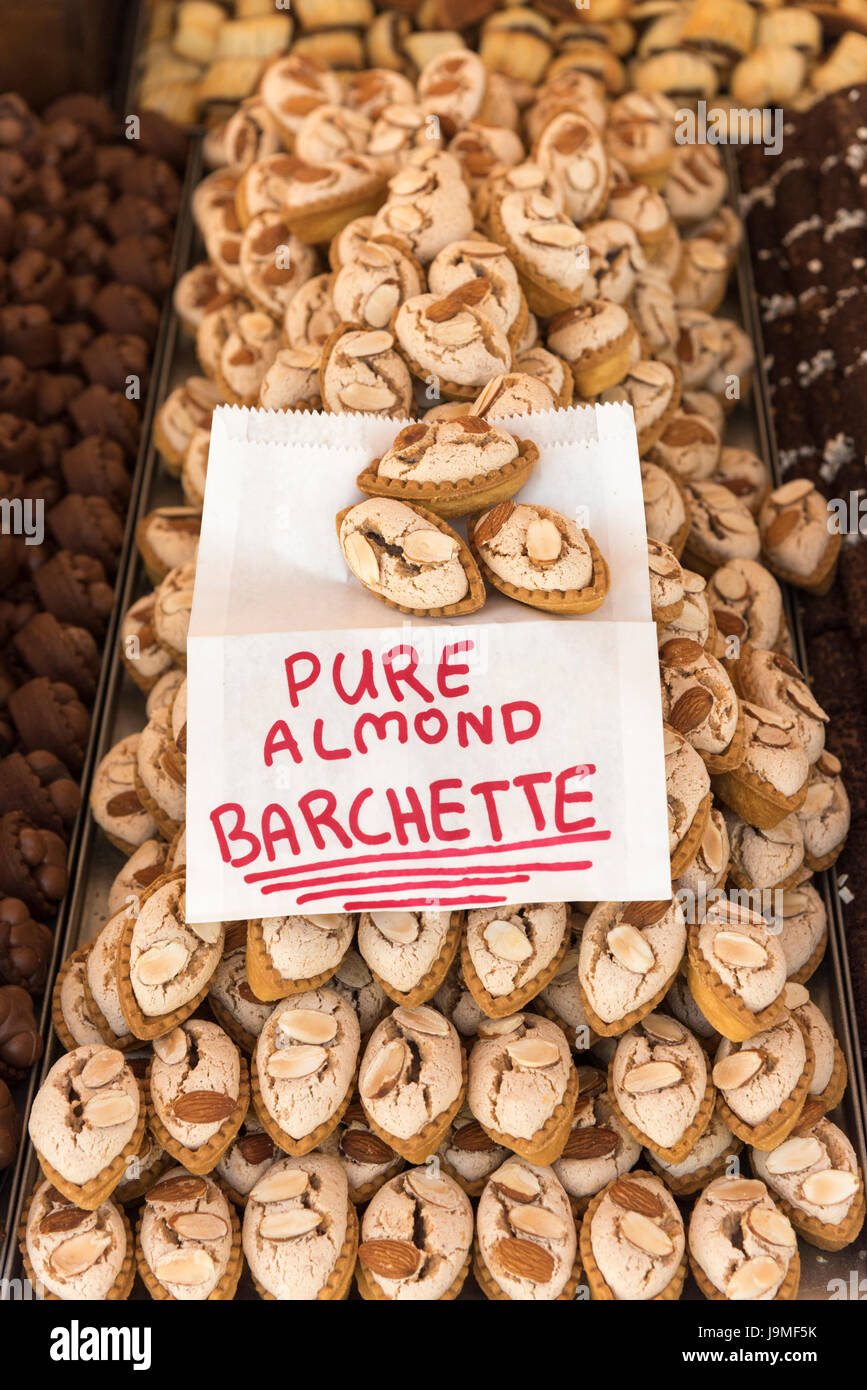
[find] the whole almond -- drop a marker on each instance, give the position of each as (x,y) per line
(493,522)
(634,1196)
(364,1147)
(66,1219)
(255,1148)
(181,1189)
(590,1141)
(471,1138)
(524,1259)
(390,1259)
(644,914)
(518,1183)
(681,651)
(203,1107)
(691,709)
(472,292)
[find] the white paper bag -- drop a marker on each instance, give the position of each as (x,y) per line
(342,755)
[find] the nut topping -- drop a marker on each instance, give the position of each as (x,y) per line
(434,1190)
(180,1189)
(361,558)
(754,1278)
(390,1259)
(794,1155)
(386,1070)
(737,1069)
(537,1221)
(291,1063)
(830,1186)
(643,1233)
(735,949)
(507,941)
(325,921)
(198,1225)
(109,1108)
(493,521)
(518,1183)
(634,1196)
(534,1053)
(741,1189)
(499,1027)
(430,547)
(172,1048)
(185,1267)
(161,962)
(307,1026)
(78,1254)
(280,1186)
(629,948)
(651,1076)
(203,1107)
(691,709)
(771,1226)
(209,932)
(362,1146)
(422,1020)
(544,541)
(663,1028)
(400,927)
(104,1066)
(288,1225)
(524,1259)
(590,1141)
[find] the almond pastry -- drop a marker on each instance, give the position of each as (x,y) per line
(736,970)
(523,1086)
(817,1184)
(660,1088)
(633,1245)
(526,1247)
(409,558)
(451,466)
(412,1080)
(188,1245)
(300,1234)
(763,1082)
(539,557)
(416,1236)
(74,1254)
(741,1246)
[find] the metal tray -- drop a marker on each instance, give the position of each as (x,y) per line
(82,834)
(122,713)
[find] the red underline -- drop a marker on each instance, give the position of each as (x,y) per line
(422,902)
(428,869)
(451,852)
(416,884)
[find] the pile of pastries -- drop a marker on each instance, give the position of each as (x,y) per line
(200,58)
(552,1095)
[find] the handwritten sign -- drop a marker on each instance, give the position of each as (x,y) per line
(342,756)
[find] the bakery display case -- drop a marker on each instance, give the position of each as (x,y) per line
(412,214)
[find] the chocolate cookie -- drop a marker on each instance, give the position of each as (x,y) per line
(48,714)
(25,947)
(74,588)
(20,1039)
(39,785)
